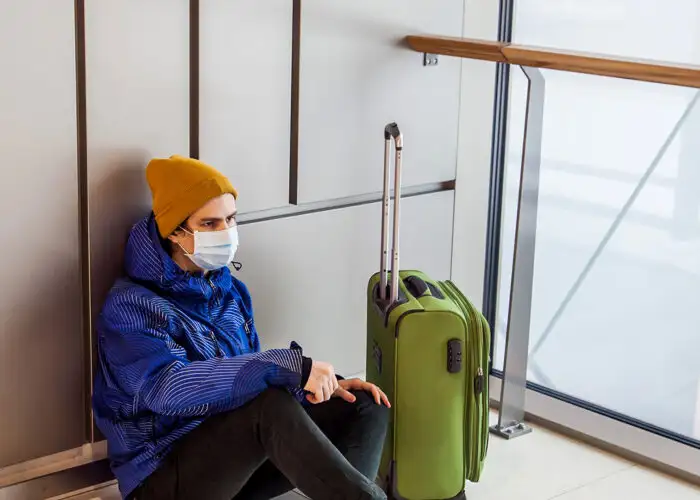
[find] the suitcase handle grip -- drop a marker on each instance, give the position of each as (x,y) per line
(392,130)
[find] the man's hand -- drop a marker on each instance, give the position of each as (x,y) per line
(355,384)
(322,382)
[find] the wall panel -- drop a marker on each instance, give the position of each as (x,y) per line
(245,96)
(474,154)
(137,108)
(356,76)
(41,340)
(308,274)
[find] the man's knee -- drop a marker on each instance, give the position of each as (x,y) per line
(271,401)
(275,399)
(365,400)
(276,409)
(367,407)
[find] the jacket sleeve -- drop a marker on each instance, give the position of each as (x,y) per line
(141,359)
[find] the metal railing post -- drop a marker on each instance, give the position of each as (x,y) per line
(512,412)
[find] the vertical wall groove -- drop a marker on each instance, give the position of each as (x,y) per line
(294,116)
(81,120)
(194,78)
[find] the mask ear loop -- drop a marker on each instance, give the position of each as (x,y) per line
(181,247)
(236,265)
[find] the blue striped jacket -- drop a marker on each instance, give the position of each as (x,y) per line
(174,348)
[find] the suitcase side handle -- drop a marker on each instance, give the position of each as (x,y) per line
(418,286)
(391,131)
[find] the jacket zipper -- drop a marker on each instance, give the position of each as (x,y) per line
(212,335)
(213,290)
(219,352)
(248,334)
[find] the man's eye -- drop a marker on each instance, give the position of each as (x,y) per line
(206,224)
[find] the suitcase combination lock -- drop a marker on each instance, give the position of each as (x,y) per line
(454,356)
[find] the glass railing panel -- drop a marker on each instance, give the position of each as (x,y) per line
(657,29)
(617,258)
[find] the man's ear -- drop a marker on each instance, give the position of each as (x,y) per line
(176,235)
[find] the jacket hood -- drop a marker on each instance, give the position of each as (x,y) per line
(149,264)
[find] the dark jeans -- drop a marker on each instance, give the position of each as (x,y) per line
(272,445)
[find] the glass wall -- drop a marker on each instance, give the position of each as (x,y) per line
(650,29)
(617,264)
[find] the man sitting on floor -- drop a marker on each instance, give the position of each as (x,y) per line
(189,404)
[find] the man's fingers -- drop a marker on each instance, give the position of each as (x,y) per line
(346,395)
(360,385)
(379,396)
(313,398)
(326,393)
(375,394)
(385,399)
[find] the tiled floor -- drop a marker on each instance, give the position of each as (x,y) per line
(544,466)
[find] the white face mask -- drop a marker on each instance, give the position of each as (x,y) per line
(213,249)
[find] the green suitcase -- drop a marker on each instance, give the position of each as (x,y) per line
(428,349)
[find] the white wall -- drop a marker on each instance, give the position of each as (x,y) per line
(308,274)
(474,154)
(356,76)
(41,343)
(245,95)
(137,67)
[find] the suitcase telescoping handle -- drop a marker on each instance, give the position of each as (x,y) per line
(391,132)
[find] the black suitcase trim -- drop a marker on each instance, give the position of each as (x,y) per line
(392,491)
(383,307)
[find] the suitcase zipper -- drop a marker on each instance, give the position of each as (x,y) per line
(486,335)
(477,410)
(479,382)
(476,419)
(471,395)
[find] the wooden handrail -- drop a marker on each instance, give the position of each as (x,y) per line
(684,75)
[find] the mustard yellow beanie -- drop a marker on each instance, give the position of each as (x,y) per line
(180,186)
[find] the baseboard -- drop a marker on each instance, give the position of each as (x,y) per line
(51,464)
(89,489)
(60,483)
